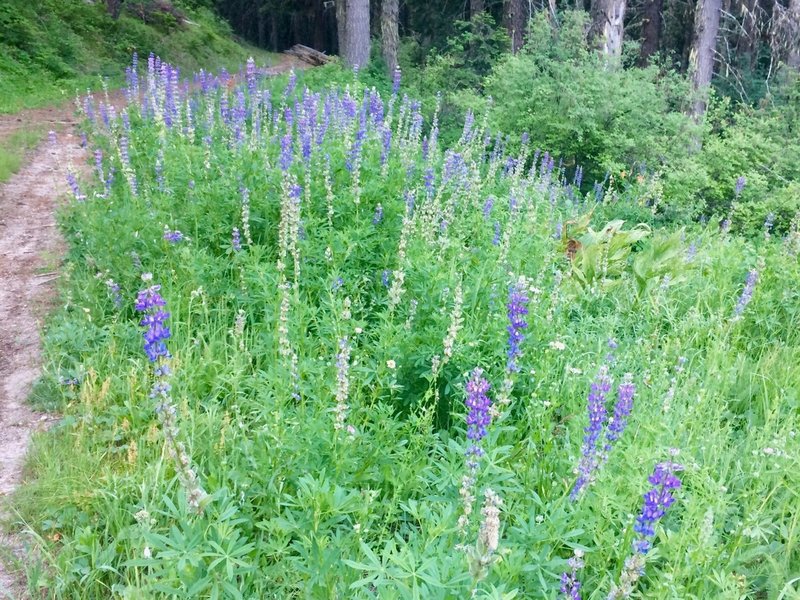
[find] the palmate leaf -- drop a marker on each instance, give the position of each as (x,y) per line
(663,256)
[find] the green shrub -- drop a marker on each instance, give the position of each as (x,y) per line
(575,107)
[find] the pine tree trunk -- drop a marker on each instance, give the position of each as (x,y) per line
(748,36)
(651,30)
(701,58)
(341,27)
(515,21)
(357,33)
(273,31)
(390,10)
(261,26)
(476,7)
(793,56)
(607,27)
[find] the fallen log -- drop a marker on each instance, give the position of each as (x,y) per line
(309,55)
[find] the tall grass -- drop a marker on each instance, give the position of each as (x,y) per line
(320,357)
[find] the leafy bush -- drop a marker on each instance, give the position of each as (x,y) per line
(757,144)
(603,119)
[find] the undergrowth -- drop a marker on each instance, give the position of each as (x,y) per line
(368,360)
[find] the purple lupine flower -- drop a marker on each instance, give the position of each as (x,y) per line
(578,179)
(469,121)
(291,84)
(378,216)
(768,224)
(73,184)
(115,291)
(288,114)
(416,120)
(741,181)
(109,181)
(376,107)
(656,502)
(385,277)
(428,179)
(354,156)
(487,207)
(691,252)
(612,345)
(596,407)
(387,144)
(570,585)
(558,230)
(479,404)
(497,232)
(173,237)
(88,108)
(236,240)
(150,302)
(98,164)
(396,76)
(286,151)
(525,138)
(622,410)
(337,285)
(408,196)
(747,293)
(250,74)
(517,309)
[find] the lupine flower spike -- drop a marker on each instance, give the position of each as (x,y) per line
(478,419)
(656,502)
(570,585)
(596,407)
(151,304)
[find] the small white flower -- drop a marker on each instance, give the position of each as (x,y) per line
(359,330)
(557,345)
(147,276)
(391,364)
(147,553)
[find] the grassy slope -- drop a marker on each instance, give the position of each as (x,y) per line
(50,48)
(14,149)
(289,490)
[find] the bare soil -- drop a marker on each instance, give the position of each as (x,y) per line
(29,239)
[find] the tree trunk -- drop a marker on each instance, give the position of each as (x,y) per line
(515,21)
(607,27)
(357,33)
(701,58)
(390,10)
(273,31)
(747,43)
(114,8)
(651,30)
(341,27)
(476,7)
(262,26)
(793,57)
